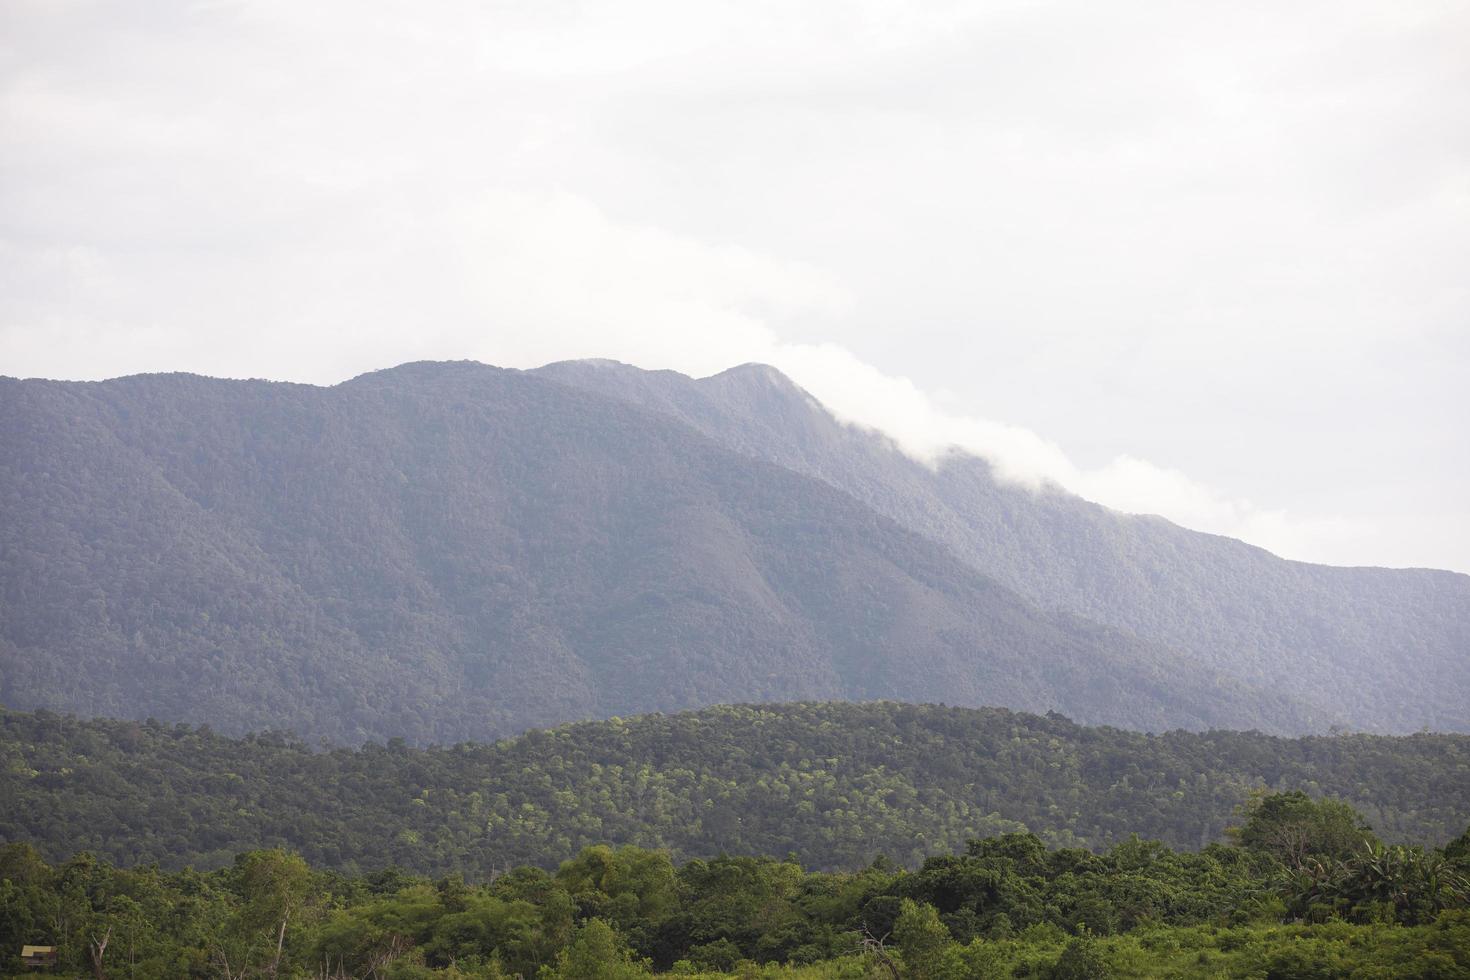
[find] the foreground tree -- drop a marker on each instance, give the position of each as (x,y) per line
(274,885)
(598,953)
(928,950)
(1294,828)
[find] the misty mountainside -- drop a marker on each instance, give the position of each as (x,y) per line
(1379,649)
(452,551)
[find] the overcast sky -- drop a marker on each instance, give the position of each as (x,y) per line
(1205,260)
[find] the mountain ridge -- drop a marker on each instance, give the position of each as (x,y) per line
(1389,647)
(444,551)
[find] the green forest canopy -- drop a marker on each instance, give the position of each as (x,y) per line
(835,785)
(1342,904)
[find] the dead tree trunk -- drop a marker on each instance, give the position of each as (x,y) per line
(280,944)
(873,947)
(96,949)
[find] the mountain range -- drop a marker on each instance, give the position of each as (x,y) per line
(451,551)
(1376,648)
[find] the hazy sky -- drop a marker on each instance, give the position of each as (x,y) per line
(1206,260)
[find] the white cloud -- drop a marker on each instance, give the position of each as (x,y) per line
(861,394)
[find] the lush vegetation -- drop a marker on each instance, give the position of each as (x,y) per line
(833,784)
(1003,907)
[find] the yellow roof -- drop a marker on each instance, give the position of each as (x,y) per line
(33,950)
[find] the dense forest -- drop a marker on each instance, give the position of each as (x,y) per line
(836,785)
(1307,890)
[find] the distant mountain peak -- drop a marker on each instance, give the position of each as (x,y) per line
(750,373)
(606,363)
(754,372)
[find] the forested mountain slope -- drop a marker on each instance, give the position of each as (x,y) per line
(1381,649)
(834,783)
(452,551)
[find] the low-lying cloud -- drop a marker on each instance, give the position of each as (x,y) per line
(860,394)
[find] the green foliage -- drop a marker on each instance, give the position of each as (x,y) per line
(1294,828)
(740,916)
(1458,850)
(835,784)
(273,886)
(628,887)
(1392,883)
(929,951)
(1081,960)
(597,953)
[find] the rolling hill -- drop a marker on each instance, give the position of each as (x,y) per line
(836,784)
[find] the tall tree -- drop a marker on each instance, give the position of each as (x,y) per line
(275,884)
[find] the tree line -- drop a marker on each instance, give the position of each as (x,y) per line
(1304,888)
(833,784)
